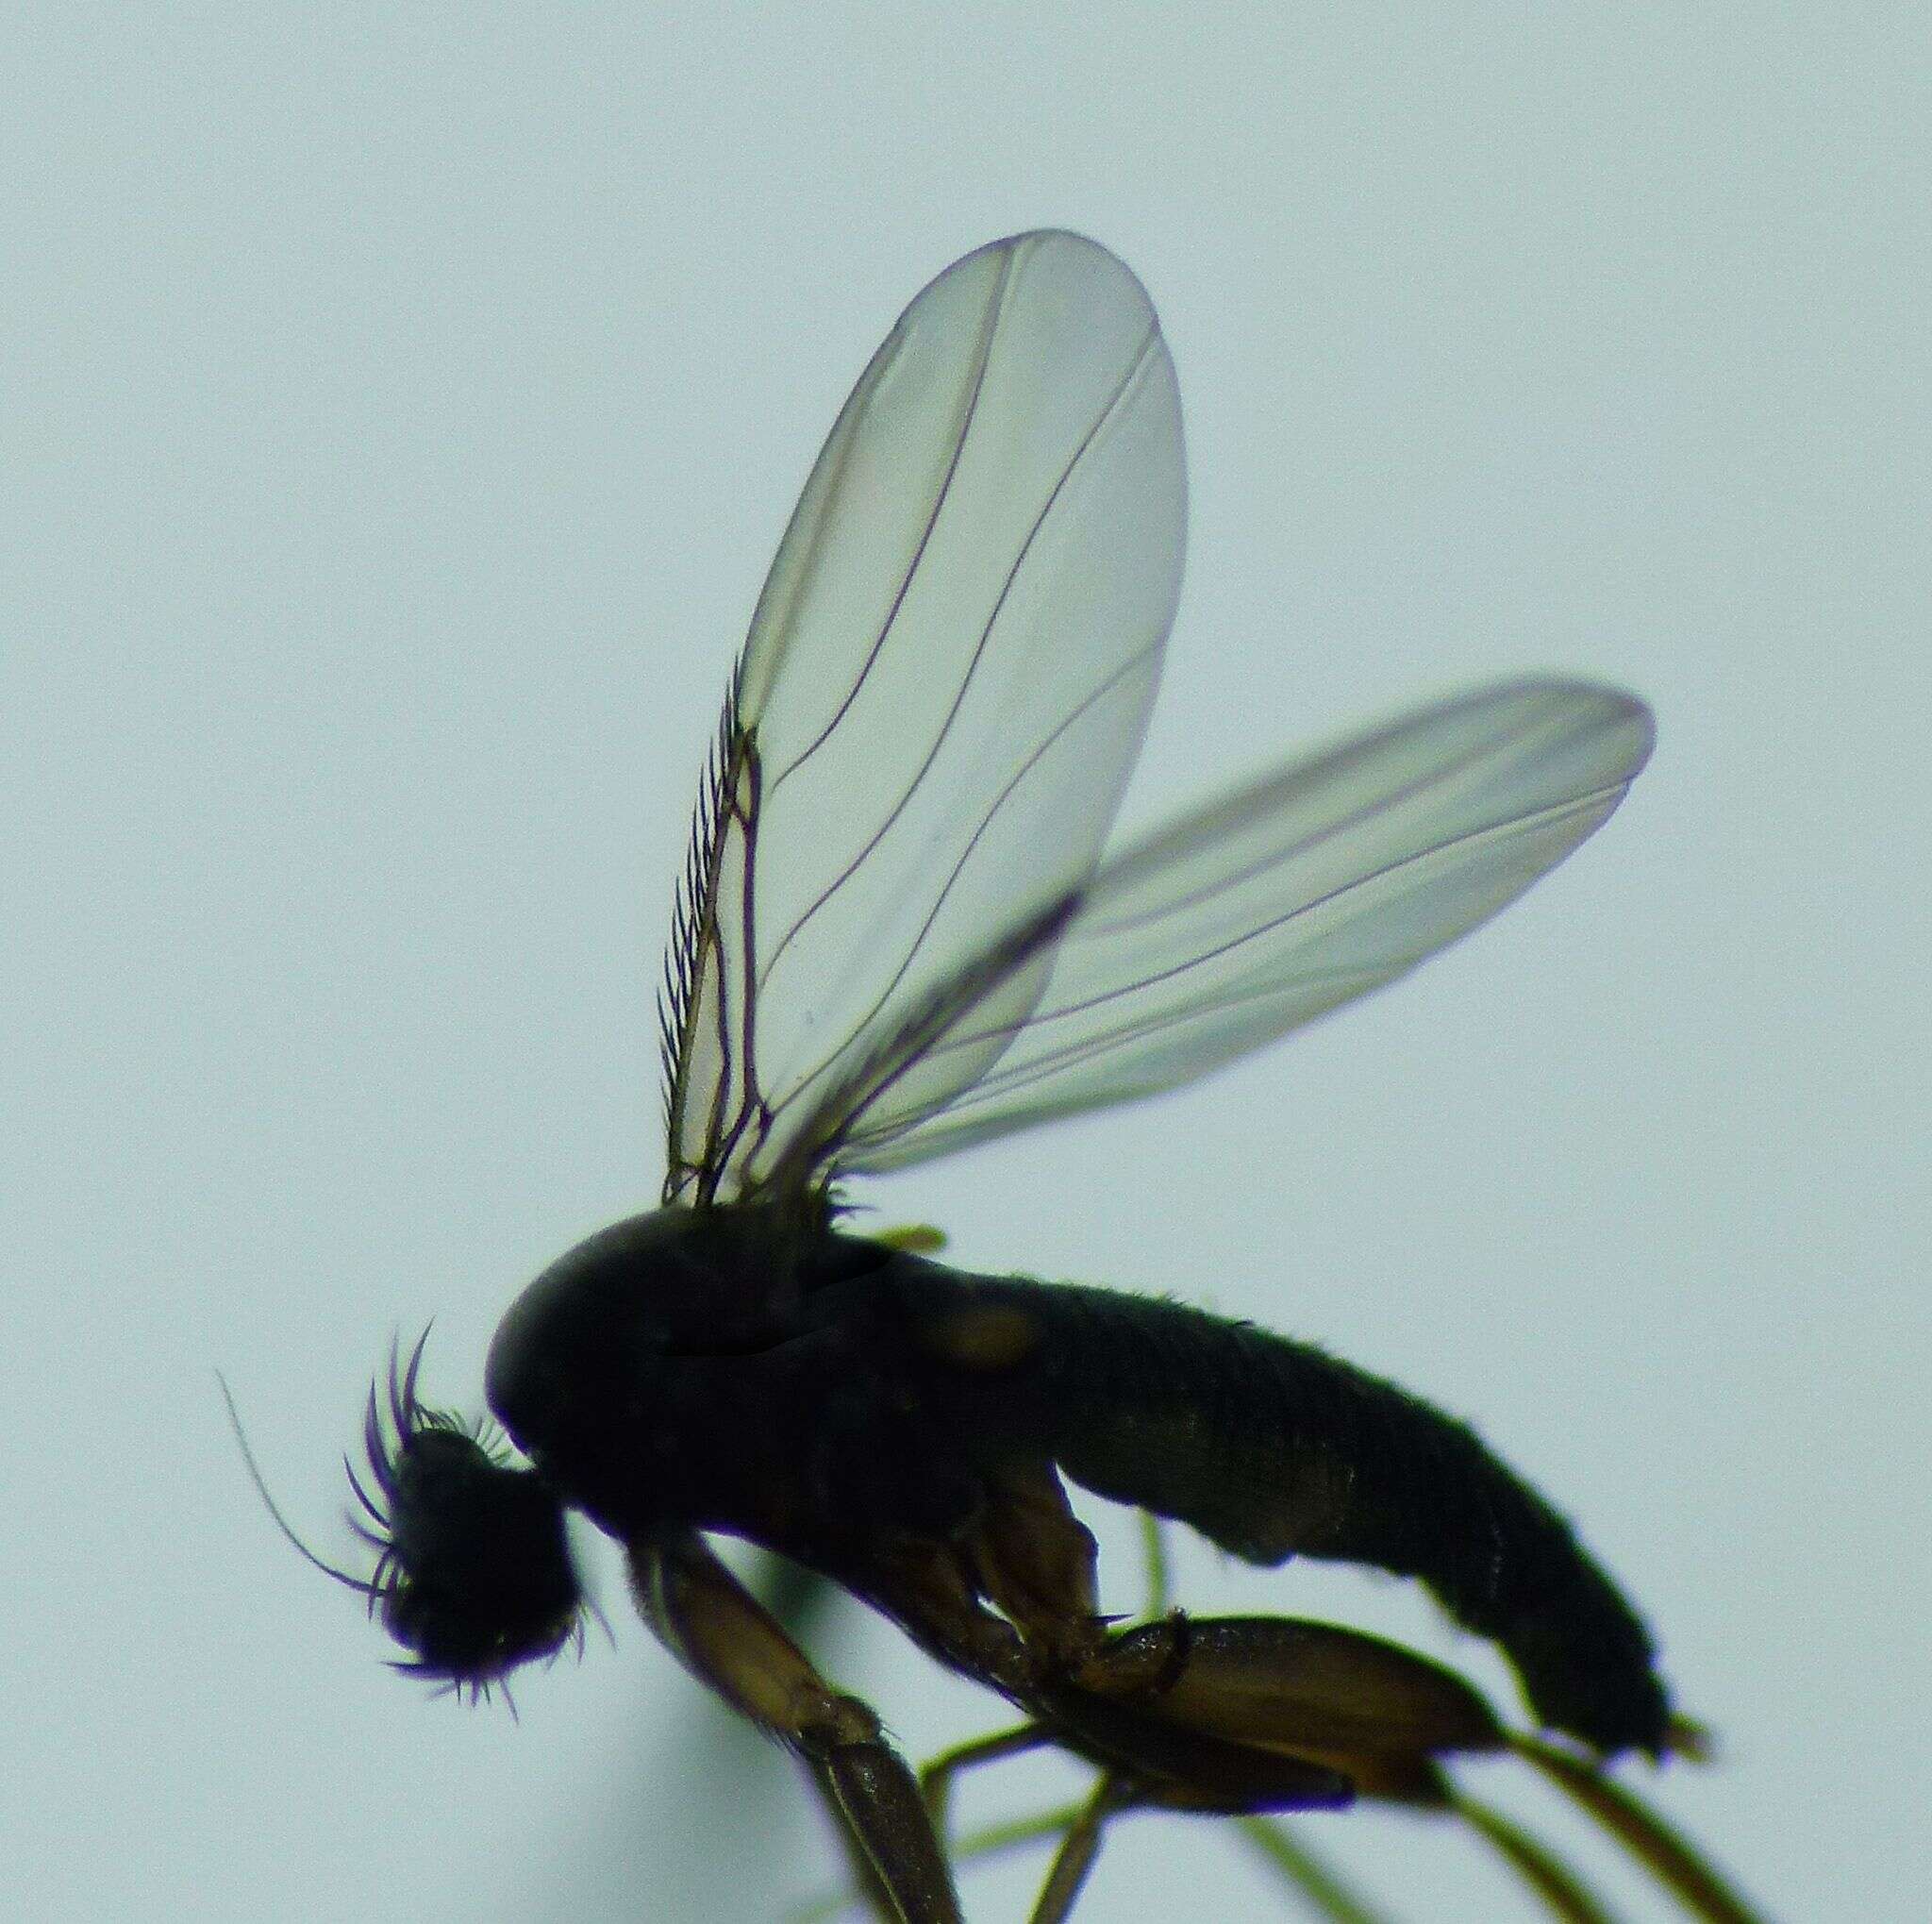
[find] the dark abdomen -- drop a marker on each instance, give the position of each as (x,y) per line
(1274,1450)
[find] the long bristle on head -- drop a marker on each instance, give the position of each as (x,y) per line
(472,1574)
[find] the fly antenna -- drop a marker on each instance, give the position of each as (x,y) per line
(360,1584)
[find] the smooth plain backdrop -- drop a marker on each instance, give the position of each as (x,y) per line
(398,409)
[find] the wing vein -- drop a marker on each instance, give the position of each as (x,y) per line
(1019,773)
(1329,831)
(995,314)
(1109,412)
(1556,812)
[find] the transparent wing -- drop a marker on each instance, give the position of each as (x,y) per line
(945,688)
(1247,918)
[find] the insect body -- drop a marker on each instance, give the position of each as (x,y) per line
(900,933)
(898,1426)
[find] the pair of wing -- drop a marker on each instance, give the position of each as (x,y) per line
(897,934)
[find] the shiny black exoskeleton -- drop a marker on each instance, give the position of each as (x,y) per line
(841,1401)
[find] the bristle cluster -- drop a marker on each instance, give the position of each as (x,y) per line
(473,1572)
(689,915)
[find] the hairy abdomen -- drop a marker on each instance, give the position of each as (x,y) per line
(1271,1450)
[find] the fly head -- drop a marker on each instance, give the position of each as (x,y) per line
(474,1575)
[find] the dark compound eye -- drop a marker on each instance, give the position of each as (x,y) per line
(474,1572)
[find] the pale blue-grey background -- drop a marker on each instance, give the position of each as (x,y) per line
(398,409)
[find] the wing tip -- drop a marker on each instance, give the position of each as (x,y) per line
(1620,724)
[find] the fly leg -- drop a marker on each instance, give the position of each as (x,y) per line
(1244,1718)
(1379,1716)
(1347,1706)
(1079,1847)
(936,1778)
(1102,1709)
(720,1632)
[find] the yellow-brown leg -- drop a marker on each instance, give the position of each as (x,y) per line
(936,1778)
(720,1632)
(1079,1847)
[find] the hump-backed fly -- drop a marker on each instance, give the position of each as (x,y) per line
(902,931)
